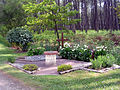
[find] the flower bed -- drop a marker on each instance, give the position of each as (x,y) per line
(82,53)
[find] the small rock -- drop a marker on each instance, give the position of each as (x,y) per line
(116,66)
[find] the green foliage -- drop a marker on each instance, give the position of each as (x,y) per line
(30,67)
(21,37)
(3,30)
(47,40)
(118,11)
(49,15)
(12,14)
(76,54)
(35,51)
(116,53)
(64,67)
(103,61)
(100,51)
(97,63)
(82,53)
(66,53)
(4,41)
(11,59)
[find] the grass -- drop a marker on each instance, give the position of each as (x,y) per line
(78,80)
(50,37)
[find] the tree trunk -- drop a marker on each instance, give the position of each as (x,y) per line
(56,31)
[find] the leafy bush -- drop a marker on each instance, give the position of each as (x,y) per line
(100,51)
(3,30)
(21,37)
(11,59)
(35,51)
(64,67)
(97,63)
(76,53)
(84,53)
(30,67)
(66,53)
(103,61)
(116,53)
(4,41)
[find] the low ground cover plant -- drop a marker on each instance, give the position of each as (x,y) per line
(64,67)
(35,51)
(103,61)
(11,59)
(30,67)
(116,53)
(3,41)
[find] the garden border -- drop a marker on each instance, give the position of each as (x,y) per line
(93,70)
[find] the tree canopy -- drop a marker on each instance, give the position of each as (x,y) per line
(50,15)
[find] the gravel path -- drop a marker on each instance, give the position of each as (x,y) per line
(9,83)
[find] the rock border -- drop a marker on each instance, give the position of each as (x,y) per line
(92,70)
(85,68)
(28,72)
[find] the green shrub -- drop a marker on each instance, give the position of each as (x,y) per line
(35,51)
(76,54)
(103,61)
(100,52)
(64,67)
(66,53)
(116,53)
(30,67)
(82,53)
(11,59)
(97,63)
(4,41)
(21,37)
(110,60)
(3,30)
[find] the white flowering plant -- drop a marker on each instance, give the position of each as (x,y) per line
(100,51)
(21,37)
(76,52)
(82,53)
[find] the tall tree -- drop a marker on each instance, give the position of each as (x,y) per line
(50,15)
(12,14)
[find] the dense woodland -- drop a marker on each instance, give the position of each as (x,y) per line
(94,14)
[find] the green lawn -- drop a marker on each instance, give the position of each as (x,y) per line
(78,80)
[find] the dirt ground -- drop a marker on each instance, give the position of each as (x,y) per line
(8,82)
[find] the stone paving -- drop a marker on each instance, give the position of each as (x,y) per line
(49,70)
